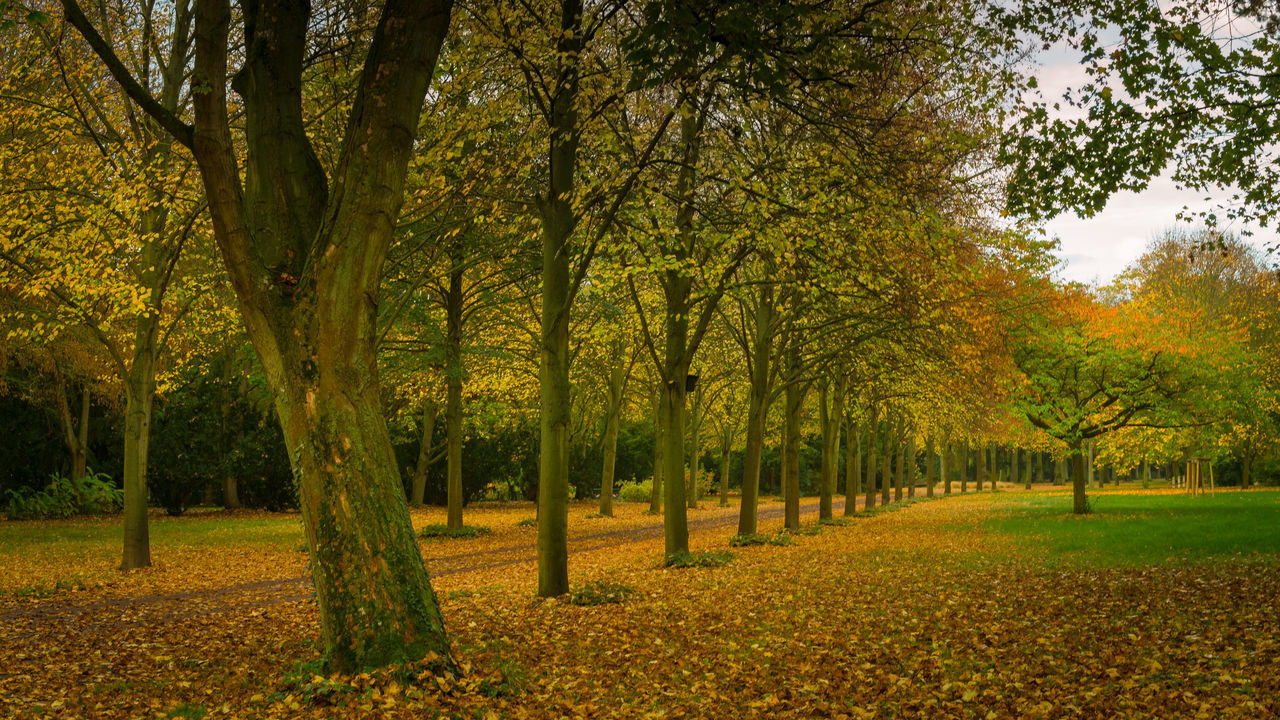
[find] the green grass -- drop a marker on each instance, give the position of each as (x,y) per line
(1129,530)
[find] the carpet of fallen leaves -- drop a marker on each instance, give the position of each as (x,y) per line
(915,613)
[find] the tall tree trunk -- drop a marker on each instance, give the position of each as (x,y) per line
(139,395)
(948,451)
(889,454)
(726,449)
(695,450)
(795,402)
(900,458)
(980,468)
(1088,462)
(453,391)
(873,427)
(852,465)
(831,411)
(964,467)
(761,352)
(75,437)
(417,494)
(675,370)
(659,451)
(609,444)
(1015,474)
(910,462)
(930,480)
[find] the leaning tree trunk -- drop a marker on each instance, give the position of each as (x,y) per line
(761,352)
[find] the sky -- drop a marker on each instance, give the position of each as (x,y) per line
(1097,249)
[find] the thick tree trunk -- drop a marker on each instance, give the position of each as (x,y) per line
(873,427)
(1015,472)
(417,493)
(1088,463)
(659,451)
(675,517)
(761,352)
(553,465)
(852,465)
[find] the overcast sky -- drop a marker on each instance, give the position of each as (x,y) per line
(1099,248)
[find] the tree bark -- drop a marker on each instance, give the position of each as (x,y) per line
(75,436)
(795,402)
(852,465)
(695,423)
(659,452)
(1080,503)
(761,352)
(139,395)
(964,467)
(890,454)
(725,451)
(454,373)
(417,493)
(609,444)
(831,410)
(980,468)
(909,460)
(930,480)
(873,427)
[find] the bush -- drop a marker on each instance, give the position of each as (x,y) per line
(758,539)
(636,492)
(60,500)
(528,522)
(702,558)
(444,531)
(600,592)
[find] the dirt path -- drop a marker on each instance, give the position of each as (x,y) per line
(249,597)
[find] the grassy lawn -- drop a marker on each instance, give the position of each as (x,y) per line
(1142,528)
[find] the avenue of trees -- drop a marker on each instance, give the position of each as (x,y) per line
(361,256)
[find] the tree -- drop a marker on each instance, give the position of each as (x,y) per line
(1175,87)
(304,246)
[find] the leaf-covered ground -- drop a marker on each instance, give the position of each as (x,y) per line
(945,609)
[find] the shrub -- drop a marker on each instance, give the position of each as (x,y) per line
(600,592)
(702,558)
(528,522)
(444,531)
(758,539)
(636,492)
(60,499)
